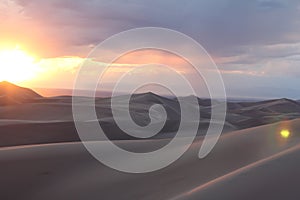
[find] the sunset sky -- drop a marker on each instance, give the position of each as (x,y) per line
(256,44)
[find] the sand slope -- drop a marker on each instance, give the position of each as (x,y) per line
(275,177)
(67,171)
(13,94)
(248,163)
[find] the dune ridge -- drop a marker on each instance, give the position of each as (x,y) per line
(11,94)
(41,156)
(195,193)
(28,118)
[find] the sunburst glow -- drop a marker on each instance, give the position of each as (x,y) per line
(16,66)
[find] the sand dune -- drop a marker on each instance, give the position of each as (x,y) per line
(12,94)
(247,163)
(28,118)
(67,171)
(275,177)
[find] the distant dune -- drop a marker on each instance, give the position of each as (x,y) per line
(250,161)
(11,94)
(28,118)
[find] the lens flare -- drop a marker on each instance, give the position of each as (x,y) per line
(285,133)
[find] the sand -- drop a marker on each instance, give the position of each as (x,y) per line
(27,118)
(68,171)
(41,156)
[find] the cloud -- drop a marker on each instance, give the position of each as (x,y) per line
(221,26)
(254,39)
(265,60)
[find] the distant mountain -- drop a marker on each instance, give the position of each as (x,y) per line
(13,94)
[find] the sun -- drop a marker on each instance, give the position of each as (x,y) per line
(16,66)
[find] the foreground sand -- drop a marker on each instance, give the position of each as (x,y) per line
(255,163)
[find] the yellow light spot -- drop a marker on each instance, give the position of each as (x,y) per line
(285,133)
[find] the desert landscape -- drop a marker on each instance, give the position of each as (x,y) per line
(42,157)
(149,100)
(23,109)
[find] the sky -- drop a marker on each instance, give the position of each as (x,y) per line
(255,44)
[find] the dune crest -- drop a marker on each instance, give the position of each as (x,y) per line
(12,94)
(32,119)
